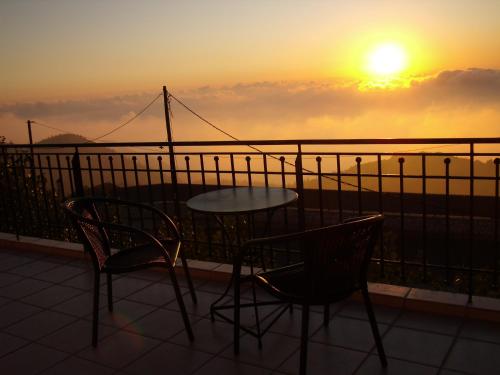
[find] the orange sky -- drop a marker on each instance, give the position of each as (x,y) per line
(73,58)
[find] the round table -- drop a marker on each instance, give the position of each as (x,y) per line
(241,200)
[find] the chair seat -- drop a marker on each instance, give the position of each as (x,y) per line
(138,257)
(289,283)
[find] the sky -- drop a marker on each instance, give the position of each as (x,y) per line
(259,69)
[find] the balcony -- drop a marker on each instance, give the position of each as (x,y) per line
(434,275)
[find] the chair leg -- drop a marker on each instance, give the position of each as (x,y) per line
(326,315)
(109,281)
(304,337)
(373,324)
(180,301)
(188,277)
(95,312)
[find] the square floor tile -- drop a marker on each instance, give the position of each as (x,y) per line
(372,366)
(157,294)
(348,333)
(160,324)
(11,261)
(9,343)
(225,366)
(30,359)
(23,288)
(51,296)
(14,312)
(168,358)
(418,346)
(60,273)
(275,350)
(211,337)
(78,366)
(474,357)
(325,359)
(119,349)
(290,323)
(75,336)
(39,325)
(483,331)
(81,305)
(125,286)
(8,279)
(201,308)
(84,281)
(447,325)
(357,310)
(124,313)
(33,268)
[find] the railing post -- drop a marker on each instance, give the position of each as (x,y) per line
(77,173)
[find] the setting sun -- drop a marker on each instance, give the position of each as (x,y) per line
(387,59)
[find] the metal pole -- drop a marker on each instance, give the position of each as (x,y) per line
(173,172)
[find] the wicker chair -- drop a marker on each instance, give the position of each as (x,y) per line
(145,237)
(335,263)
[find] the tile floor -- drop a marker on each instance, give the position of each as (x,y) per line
(45,325)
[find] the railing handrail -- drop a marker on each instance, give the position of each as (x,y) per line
(284,142)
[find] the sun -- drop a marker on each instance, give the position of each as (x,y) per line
(387,59)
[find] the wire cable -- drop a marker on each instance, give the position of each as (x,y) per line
(128,121)
(48,126)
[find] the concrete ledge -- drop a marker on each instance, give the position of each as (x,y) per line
(424,300)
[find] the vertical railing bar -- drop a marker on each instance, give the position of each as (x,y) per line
(208,225)
(70,174)
(402,219)
(266,177)
(5,209)
(18,197)
(91,176)
(495,229)
(381,211)
(471,220)
(339,189)
(190,192)
(54,202)
(233,171)
(138,190)
(44,193)
(125,186)
(320,192)
(101,175)
(447,219)
(162,183)
(424,216)
(285,209)
(148,177)
(61,181)
(28,198)
(358,172)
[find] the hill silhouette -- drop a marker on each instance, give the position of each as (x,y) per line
(435,171)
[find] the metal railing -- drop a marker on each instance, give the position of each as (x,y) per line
(441,208)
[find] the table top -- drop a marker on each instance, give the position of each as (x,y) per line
(241,200)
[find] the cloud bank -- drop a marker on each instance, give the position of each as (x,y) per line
(452,103)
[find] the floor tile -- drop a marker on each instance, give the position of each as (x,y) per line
(201,308)
(211,337)
(75,336)
(33,268)
(11,261)
(125,286)
(119,349)
(417,346)
(227,367)
(290,323)
(428,322)
(39,325)
(474,357)
(160,324)
(8,279)
(84,281)
(9,343)
(51,296)
(23,288)
(14,312)
(168,358)
(78,366)
(60,273)
(157,294)
(31,359)
(80,305)
(348,333)
(485,331)
(357,310)
(124,313)
(275,349)
(372,366)
(322,359)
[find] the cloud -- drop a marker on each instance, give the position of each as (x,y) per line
(450,104)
